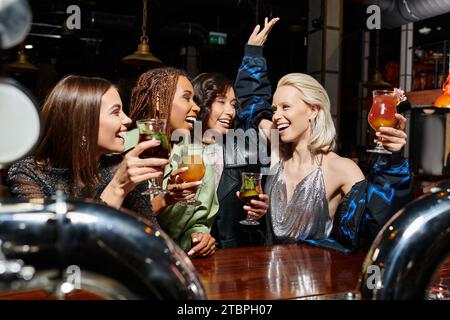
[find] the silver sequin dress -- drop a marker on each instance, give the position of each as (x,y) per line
(306,216)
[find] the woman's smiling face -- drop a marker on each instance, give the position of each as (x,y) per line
(184,109)
(291,115)
(223,111)
(113,122)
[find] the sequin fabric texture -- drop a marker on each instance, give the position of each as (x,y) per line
(306,214)
(27,180)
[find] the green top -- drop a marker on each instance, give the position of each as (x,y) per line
(180,222)
(131,139)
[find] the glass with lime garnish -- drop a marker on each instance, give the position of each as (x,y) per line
(154,129)
(250,190)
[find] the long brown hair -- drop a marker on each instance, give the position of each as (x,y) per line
(71,114)
(153,94)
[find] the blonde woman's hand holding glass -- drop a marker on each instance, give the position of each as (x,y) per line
(393,139)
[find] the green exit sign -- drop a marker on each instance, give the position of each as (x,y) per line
(217,38)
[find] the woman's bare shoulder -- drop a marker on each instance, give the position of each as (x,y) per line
(344,168)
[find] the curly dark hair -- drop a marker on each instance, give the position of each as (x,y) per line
(207,87)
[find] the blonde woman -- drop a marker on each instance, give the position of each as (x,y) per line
(315,195)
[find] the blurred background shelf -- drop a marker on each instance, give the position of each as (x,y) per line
(430,65)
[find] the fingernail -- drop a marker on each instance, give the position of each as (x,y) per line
(378,133)
(195,240)
(198,183)
(191,252)
(184,169)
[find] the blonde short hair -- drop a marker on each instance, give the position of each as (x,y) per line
(323,132)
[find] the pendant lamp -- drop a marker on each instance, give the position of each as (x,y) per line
(376,80)
(21,65)
(143,55)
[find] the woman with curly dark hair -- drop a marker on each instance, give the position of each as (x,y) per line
(166,93)
(218,104)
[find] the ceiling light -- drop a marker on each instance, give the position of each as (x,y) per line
(424,30)
(29,46)
(143,56)
(428,111)
(21,64)
(376,80)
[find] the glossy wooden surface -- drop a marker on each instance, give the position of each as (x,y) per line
(278,272)
(45,295)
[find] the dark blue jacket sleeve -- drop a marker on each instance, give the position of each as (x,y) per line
(344,236)
(253,89)
(363,211)
(389,189)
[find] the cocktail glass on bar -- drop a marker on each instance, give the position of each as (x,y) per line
(154,129)
(250,190)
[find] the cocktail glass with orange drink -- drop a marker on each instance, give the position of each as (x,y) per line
(382,114)
(250,190)
(192,158)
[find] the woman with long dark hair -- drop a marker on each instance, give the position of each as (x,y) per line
(215,96)
(83,123)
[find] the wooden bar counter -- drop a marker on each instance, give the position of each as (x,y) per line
(291,271)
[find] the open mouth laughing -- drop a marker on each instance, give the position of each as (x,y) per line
(190,120)
(224,123)
(121,136)
(282,126)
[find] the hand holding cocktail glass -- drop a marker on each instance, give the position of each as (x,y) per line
(180,190)
(192,169)
(252,195)
(134,170)
(154,129)
(388,124)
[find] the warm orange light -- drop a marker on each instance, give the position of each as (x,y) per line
(444,99)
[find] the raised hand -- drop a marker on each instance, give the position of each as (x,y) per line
(259,37)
